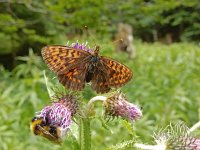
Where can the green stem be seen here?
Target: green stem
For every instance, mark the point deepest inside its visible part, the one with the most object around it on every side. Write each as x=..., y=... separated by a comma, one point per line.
x=84, y=134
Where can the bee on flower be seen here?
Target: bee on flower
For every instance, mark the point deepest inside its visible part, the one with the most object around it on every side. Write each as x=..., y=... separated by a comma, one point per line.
x=53, y=121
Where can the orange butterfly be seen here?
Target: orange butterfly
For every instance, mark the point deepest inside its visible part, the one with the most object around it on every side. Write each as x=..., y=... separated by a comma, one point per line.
x=77, y=64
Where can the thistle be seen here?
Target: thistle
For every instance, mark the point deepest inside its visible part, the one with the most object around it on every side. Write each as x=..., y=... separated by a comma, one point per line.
x=79, y=46
x=118, y=106
x=177, y=137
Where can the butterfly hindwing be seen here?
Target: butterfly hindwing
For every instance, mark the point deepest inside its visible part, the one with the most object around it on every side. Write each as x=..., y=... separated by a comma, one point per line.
x=99, y=81
x=61, y=58
x=117, y=74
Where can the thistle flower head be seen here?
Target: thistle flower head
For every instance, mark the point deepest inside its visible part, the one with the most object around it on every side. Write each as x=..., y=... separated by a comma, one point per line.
x=82, y=46
x=177, y=137
x=53, y=121
x=117, y=105
x=60, y=112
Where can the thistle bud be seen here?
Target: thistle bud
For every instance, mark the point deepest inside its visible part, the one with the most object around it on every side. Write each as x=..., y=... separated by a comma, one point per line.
x=117, y=106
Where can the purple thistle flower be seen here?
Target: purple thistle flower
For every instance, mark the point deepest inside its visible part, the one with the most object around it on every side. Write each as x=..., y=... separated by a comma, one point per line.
x=117, y=105
x=177, y=137
x=79, y=46
x=53, y=121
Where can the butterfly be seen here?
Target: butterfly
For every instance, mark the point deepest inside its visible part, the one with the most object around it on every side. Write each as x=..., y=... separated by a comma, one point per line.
x=77, y=65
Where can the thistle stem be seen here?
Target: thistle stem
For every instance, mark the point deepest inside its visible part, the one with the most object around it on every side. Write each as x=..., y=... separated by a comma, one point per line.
x=84, y=125
x=84, y=134
x=96, y=98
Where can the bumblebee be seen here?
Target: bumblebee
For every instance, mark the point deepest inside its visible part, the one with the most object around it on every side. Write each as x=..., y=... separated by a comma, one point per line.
x=40, y=126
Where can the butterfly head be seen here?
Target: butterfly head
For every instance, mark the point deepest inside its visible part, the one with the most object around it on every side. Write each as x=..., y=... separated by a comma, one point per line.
x=94, y=58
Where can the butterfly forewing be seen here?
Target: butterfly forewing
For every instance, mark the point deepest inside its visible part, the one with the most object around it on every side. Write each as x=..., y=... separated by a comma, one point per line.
x=61, y=58
x=118, y=74
x=74, y=79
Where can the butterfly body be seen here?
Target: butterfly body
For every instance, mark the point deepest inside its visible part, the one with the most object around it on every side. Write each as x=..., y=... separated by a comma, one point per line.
x=74, y=67
x=94, y=61
x=89, y=74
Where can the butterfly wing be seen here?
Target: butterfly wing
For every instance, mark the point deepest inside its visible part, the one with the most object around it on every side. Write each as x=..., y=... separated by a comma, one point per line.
x=60, y=59
x=117, y=74
x=74, y=79
x=99, y=81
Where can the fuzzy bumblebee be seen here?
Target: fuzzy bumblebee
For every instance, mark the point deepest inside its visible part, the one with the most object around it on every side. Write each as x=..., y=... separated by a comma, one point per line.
x=53, y=121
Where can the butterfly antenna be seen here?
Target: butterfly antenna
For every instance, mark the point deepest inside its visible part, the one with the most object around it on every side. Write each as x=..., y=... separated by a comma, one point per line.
x=89, y=36
x=85, y=29
x=114, y=42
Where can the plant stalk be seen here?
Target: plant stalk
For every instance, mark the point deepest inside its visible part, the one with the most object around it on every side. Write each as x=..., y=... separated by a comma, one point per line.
x=84, y=134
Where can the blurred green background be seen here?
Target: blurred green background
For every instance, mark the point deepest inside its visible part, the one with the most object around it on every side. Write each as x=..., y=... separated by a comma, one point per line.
x=166, y=82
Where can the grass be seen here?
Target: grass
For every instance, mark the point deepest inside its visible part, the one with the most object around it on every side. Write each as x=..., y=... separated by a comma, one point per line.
x=166, y=85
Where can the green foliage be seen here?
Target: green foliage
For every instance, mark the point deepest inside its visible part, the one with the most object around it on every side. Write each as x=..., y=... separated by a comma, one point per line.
x=165, y=84
x=25, y=24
